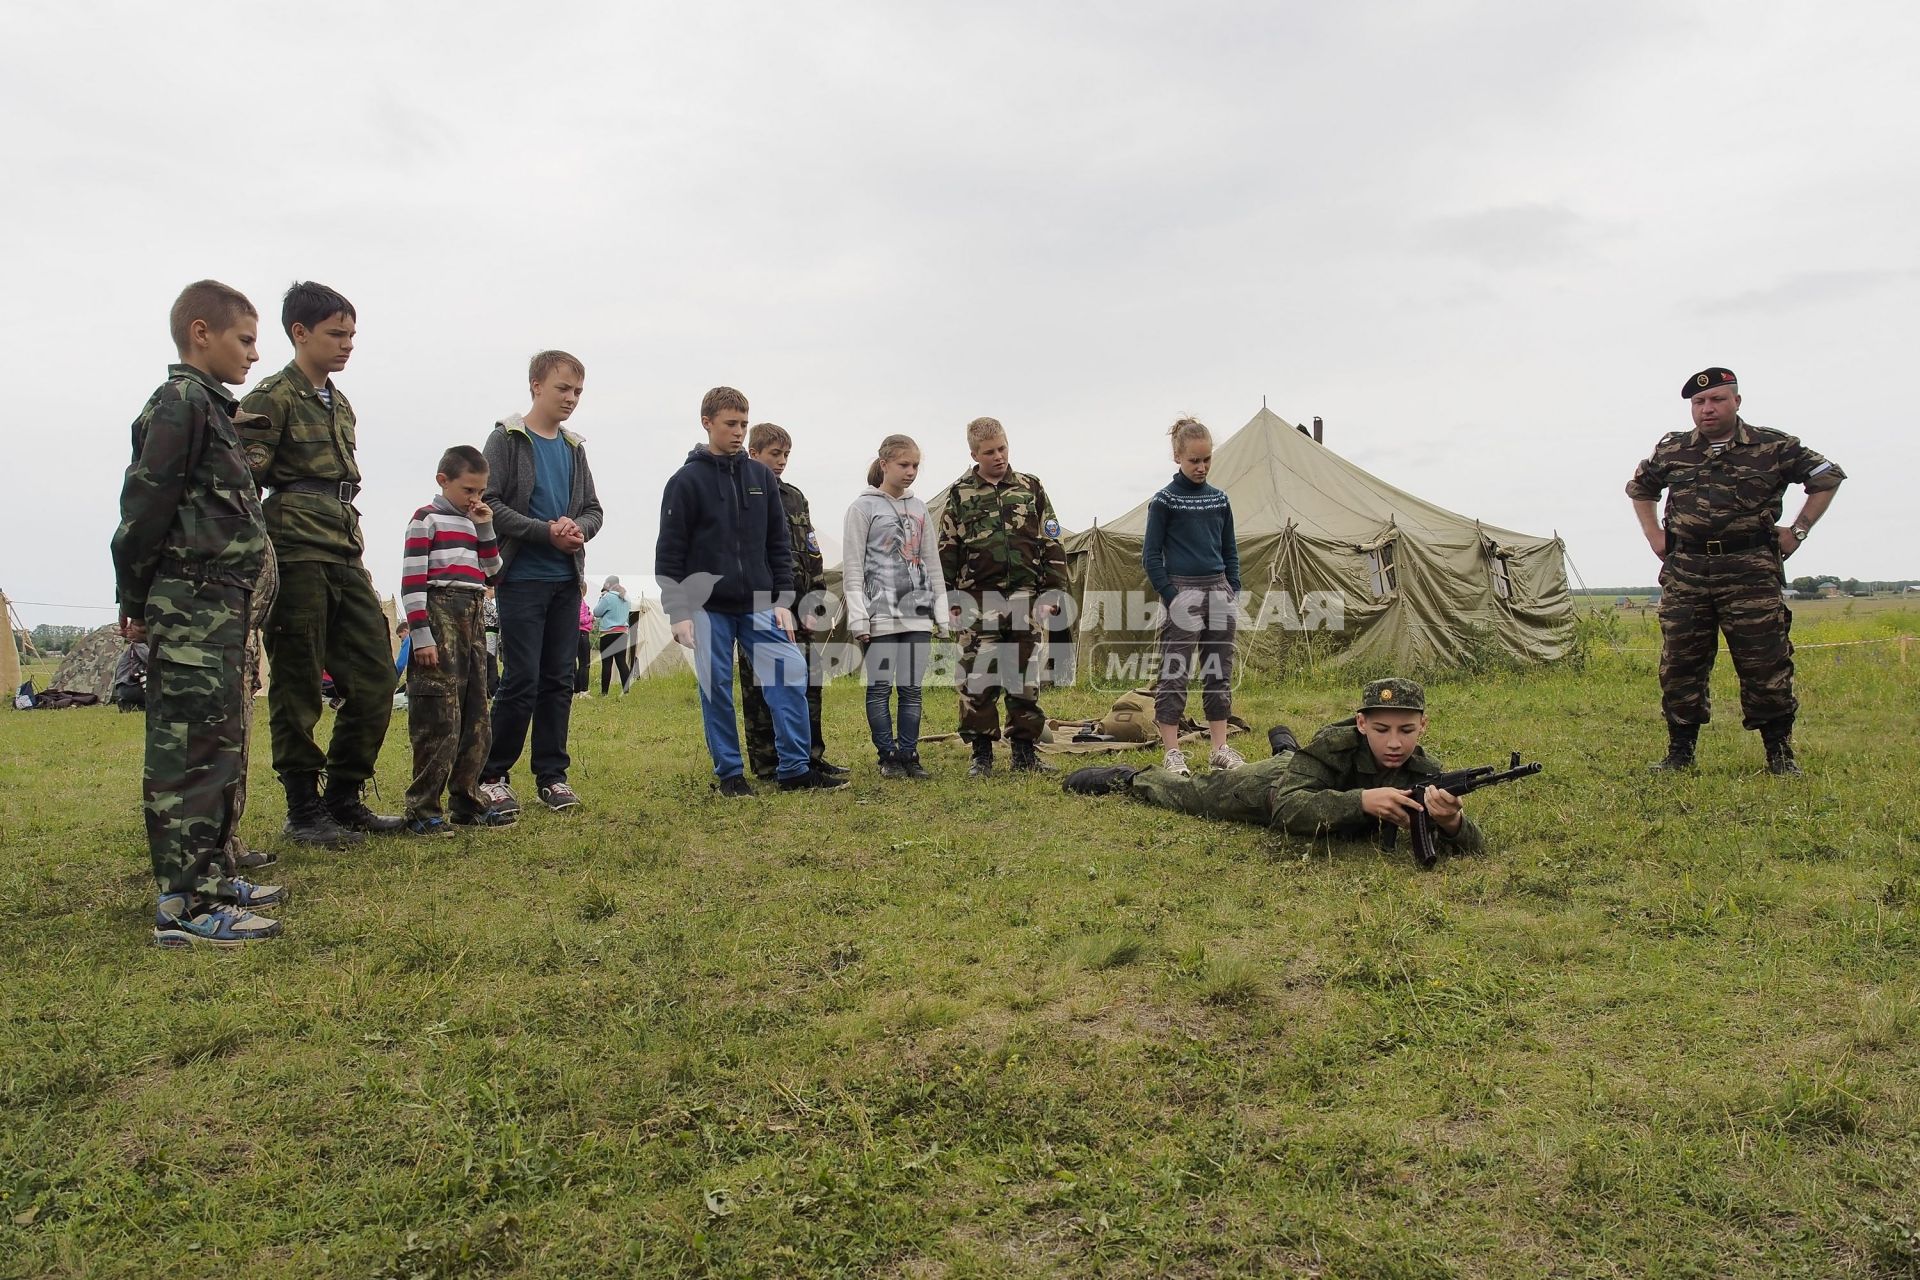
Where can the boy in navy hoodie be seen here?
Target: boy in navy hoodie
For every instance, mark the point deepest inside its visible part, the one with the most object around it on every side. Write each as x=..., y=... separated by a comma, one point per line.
x=726, y=577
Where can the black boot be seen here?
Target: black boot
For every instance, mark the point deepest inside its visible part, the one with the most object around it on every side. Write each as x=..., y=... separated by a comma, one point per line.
x=1680, y=742
x=1281, y=739
x=982, y=763
x=344, y=803
x=308, y=821
x=910, y=761
x=1027, y=760
x=1779, y=739
x=890, y=766
x=1099, y=780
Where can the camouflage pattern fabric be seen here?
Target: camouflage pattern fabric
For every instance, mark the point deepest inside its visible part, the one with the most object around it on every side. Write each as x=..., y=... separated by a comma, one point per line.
x=264, y=590
x=1735, y=492
x=762, y=753
x=327, y=618
x=188, y=506
x=191, y=543
x=298, y=437
x=1310, y=793
x=1705, y=596
x=995, y=658
x=809, y=567
x=1730, y=491
x=1000, y=536
x=448, y=717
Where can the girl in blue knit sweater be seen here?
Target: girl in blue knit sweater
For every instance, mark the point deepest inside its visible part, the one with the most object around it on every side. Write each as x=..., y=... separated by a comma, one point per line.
x=1192, y=560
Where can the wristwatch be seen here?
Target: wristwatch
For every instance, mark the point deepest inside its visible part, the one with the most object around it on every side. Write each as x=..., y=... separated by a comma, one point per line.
x=1799, y=532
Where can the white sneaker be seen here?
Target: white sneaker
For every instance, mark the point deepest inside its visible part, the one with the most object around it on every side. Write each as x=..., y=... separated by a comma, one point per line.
x=1175, y=762
x=1225, y=757
x=499, y=797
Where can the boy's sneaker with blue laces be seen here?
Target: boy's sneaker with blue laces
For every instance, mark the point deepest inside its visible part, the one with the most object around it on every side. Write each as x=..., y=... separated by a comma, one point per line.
x=433, y=826
x=179, y=922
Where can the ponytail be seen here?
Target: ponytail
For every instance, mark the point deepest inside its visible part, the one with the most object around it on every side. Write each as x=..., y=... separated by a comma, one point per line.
x=876, y=471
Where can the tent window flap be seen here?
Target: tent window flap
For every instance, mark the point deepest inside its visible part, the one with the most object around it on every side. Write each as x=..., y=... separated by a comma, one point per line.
x=1381, y=572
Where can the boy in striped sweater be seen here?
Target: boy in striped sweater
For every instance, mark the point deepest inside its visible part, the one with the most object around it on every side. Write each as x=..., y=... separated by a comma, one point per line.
x=451, y=556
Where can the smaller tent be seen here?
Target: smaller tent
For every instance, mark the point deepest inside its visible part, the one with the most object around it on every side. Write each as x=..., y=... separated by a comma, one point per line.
x=89, y=665
x=654, y=650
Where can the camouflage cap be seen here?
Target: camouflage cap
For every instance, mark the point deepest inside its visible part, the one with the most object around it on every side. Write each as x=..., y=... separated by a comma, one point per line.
x=1393, y=694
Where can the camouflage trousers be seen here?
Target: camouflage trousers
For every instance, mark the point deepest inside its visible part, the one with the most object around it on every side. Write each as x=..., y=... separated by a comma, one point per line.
x=196, y=728
x=997, y=657
x=327, y=618
x=264, y=590
x=1229, y=795
x=1704, y=597
x=757, y=716
x=448, y=716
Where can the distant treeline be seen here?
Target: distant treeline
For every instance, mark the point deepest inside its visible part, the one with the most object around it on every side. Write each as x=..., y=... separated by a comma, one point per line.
x=1806, y=586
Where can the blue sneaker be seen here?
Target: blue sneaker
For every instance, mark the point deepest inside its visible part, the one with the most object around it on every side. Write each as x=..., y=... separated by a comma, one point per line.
x=435, y=826
x=248, y=895
x=177, y=922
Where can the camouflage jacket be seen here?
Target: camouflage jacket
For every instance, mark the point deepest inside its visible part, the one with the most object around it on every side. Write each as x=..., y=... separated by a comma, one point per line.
x=302, y=438
x=1319, y=794
x=1735, y=494
x=1000, y=536
x=809, y=567
x=188, y=508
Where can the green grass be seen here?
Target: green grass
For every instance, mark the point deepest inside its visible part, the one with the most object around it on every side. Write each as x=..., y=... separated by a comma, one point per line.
x=1664, y=1028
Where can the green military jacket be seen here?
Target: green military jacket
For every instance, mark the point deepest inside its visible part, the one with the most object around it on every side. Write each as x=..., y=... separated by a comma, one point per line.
x=303, y=438
x=809, y=567
x=188, y=506
x=1000, y=536
x=1734, y=493
x=1319, y=794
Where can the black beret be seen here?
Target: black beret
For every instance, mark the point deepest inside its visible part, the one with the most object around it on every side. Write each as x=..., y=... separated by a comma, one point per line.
x=1714, y=377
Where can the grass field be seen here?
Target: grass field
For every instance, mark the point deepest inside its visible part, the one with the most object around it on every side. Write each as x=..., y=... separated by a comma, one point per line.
x=1663, y=1028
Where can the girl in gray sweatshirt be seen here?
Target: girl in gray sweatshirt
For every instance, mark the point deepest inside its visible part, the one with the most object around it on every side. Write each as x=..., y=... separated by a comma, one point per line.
x=896, y=599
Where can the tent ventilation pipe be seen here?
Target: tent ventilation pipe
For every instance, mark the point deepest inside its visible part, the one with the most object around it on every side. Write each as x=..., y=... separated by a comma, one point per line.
x=1318, y=428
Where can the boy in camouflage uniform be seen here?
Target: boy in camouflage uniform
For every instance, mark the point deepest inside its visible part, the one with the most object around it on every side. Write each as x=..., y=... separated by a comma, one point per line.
x=1000, y=547
x=326, y=617
x=771, y=446
x=187, y=557
x=1354, y=776
x=1721, y=549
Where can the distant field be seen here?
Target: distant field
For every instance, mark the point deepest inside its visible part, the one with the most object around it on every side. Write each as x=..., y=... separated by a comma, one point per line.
x=1665, y=1027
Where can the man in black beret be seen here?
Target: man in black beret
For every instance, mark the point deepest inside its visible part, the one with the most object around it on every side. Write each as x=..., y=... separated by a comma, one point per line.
x=1721, y=545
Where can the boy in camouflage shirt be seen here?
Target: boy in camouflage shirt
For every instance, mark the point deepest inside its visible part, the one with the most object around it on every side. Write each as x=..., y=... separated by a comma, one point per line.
x=326, y=616
x=1000, y=548
x=188, y=556
x=1353, y=777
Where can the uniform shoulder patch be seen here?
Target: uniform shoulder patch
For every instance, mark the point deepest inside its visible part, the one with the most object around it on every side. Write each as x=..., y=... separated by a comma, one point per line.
x=1052, y=527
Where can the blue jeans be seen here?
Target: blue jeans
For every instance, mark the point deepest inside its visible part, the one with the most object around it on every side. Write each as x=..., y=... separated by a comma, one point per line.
x=893, y=662
x=779, y=668
x=539, y=635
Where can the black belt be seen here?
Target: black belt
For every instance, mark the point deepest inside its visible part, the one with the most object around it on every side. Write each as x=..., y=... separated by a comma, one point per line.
x=345, y=490
x=1720, y=546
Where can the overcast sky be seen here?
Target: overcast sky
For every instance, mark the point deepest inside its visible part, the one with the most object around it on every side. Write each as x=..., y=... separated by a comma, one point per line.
x=1486, y=241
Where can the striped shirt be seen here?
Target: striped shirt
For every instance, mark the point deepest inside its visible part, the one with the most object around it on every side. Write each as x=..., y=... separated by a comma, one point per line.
x=444, y=549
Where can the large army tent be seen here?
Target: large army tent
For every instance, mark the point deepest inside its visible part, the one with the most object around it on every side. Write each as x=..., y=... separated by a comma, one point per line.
x=651, y=639
x=1419, y=586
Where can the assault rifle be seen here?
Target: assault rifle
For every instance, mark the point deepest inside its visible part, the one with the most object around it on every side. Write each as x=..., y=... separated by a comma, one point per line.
x=1457, y=783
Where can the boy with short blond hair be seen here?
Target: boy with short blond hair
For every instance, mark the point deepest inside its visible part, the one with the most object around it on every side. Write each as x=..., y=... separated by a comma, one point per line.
x=545, y=507
x=726, y=578
x=771, y=446
x=187, y=557
x=450, y=558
